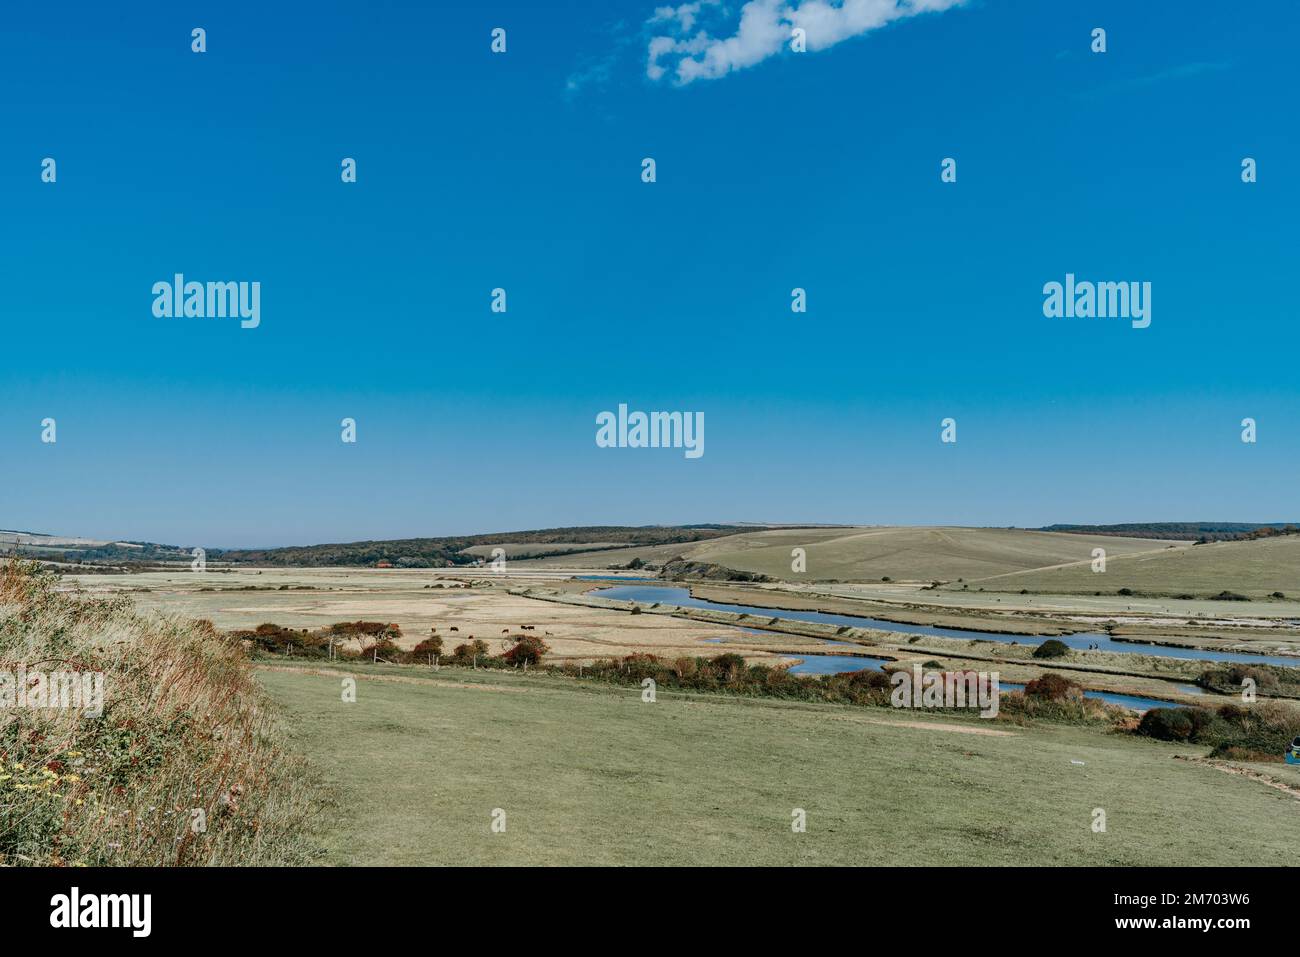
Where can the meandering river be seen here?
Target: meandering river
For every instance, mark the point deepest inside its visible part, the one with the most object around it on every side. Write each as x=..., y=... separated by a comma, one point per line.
x=1082, y=641
x=834, y=664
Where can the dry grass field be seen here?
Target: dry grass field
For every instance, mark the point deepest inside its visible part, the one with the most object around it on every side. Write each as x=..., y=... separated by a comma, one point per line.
x=418, y=601
x=1253, y=568
x=870, y=554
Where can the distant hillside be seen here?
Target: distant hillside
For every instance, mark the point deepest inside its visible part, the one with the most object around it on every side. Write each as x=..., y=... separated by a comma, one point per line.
x=1256, y=569
x=62, y=548
x=1188, y=531
x=897, y=553
x=469, y=549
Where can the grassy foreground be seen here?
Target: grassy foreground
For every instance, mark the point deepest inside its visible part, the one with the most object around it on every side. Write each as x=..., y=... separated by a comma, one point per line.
x=589, y=774
x=176, y=761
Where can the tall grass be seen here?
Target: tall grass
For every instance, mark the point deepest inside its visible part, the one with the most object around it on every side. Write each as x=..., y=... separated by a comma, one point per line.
x=185, y=766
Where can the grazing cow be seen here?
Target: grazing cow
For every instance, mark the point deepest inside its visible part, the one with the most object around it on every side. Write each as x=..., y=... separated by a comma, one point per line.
x=454, y=628
x=505, y=631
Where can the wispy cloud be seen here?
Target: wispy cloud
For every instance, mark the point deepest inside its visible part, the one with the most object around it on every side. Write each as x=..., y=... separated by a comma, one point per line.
x=1183, y=71
x=594, y=73
x=590, y=73
x=689, y=42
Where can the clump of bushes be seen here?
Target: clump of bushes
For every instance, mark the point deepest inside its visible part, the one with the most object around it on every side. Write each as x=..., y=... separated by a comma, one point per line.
x=464, y=654
x=527, y=650
x=729, y=672
x=424, y=651
x=868, y=687
x=275, y=640
x=1052, y=648
x=384, y=648
x=1261, y=732
x=1073, y=708
x=1053, y=687
x=1174, y=724
x=346, y=639
x=344, y=630
x=1269, y=679
x=728, y=665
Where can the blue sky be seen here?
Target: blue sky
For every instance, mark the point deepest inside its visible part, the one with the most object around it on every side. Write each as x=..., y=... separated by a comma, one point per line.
x=522, y=170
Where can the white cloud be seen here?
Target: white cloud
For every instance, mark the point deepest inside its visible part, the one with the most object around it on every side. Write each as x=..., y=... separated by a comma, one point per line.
x=684, y=15
x=763, y=30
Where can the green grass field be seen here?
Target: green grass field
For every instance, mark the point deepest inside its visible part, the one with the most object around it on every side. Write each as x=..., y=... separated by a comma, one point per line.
x=1254, y=568
x=869, y=554
x=589, y=774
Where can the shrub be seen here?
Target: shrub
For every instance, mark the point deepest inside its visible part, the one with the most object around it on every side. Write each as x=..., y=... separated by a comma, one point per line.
x=528, y=649
x=1052, y=648
x=1167, y=724
x=463, y=654
x=1267, y=678
x=727, y=666
x=686, y=667
x=1265, y=729
x=424, y=651
x=1052, y=687
x=870, y=678
x=641, y=665
x=363, y=629
x=1233, y=712
x=430, y=646
x=273, y=639
x=383, y=648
